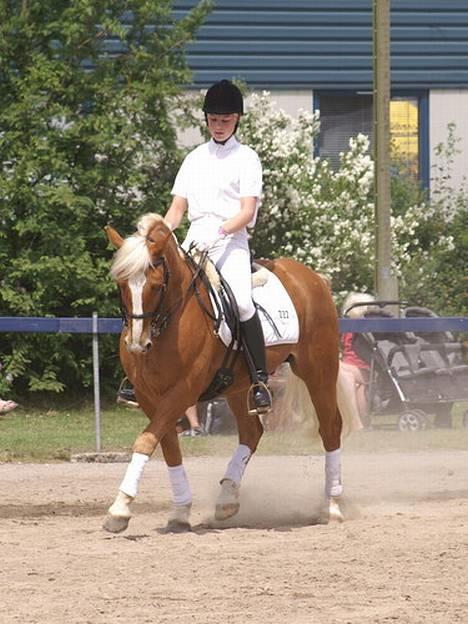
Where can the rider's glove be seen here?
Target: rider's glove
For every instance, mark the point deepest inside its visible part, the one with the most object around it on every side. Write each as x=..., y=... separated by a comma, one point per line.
x=210, y=241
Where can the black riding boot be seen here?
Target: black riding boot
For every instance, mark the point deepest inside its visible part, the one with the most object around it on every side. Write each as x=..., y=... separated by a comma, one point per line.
x=254, y=343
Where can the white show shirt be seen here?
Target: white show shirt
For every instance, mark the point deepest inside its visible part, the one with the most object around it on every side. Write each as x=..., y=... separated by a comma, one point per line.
x=214, y=177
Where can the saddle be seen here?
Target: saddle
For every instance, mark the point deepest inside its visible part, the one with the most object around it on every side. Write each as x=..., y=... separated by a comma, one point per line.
x=225, y=312
x=224, y=309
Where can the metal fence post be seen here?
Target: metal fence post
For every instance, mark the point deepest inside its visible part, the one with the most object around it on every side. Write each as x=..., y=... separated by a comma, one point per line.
x=97, y=394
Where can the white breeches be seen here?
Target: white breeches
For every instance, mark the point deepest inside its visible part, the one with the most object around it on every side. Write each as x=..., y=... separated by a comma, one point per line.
x=232, y=258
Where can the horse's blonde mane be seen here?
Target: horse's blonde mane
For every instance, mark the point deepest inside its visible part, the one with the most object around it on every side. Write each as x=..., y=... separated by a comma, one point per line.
x=133, y=256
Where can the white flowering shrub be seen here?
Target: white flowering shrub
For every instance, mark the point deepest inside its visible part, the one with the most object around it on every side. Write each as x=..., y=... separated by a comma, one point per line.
x=325, y=217
x=433, y=264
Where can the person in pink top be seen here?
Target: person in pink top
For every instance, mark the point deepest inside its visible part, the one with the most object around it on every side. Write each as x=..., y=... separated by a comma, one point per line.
x=354, y=370
x=7, y=406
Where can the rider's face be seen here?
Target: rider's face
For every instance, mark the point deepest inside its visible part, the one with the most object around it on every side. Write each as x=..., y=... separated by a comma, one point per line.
x=221, y=127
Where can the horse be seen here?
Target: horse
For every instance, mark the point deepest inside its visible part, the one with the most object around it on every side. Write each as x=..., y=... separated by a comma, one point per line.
x=170, y=353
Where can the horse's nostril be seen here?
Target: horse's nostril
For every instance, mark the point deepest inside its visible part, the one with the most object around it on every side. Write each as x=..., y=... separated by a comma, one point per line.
x=148, y=345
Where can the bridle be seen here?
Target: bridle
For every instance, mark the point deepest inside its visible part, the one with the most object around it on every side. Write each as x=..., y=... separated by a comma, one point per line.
x=159, y=320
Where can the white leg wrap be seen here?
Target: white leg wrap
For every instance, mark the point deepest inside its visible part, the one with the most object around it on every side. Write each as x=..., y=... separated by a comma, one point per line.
x=236, y=467
x=333, y=486
x=181, y=492
x=132, y=477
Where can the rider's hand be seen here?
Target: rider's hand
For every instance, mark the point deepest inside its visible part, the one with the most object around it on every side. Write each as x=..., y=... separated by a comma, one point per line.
x=210, y=241
x=207, y=243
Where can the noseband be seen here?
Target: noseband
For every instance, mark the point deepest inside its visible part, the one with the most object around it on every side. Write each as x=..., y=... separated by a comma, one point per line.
x=159, y=321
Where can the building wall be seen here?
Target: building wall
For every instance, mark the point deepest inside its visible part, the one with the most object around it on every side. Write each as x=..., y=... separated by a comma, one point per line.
x=293, y=49
x=320, y=44
x=447, y=106
x=293, y=101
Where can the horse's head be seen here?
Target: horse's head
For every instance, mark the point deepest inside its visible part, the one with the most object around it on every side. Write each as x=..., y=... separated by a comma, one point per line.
x=141, y=272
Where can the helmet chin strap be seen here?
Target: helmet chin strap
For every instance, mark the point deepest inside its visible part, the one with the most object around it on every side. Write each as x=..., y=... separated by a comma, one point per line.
x=225, y=140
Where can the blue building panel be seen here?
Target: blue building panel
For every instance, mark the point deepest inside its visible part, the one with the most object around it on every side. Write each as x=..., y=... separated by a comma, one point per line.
x=324, y=45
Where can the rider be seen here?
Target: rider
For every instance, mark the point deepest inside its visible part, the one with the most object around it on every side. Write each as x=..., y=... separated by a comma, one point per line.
x=220, y=184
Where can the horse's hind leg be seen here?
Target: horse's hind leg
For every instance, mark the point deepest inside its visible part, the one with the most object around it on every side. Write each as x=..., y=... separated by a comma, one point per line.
x=250, y=431
x=323, y=397
x=330, y=431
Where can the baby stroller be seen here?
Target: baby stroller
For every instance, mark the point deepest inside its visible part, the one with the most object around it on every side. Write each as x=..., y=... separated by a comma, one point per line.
x=413, y=375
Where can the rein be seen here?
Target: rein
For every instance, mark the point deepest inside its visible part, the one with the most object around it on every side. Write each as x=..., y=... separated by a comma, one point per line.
x=161, y=319
x=159, y=322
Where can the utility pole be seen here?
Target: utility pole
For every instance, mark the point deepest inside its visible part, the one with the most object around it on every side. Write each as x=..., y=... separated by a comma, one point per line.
x=386, y=285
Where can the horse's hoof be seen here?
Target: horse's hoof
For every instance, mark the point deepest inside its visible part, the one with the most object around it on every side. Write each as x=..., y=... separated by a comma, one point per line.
x=227, y=504
x=334, y=511
x=223, y=512
x=115, y=524
x=176, y=526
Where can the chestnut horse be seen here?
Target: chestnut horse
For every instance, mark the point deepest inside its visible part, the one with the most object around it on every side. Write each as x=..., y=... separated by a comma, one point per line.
x=170, y=353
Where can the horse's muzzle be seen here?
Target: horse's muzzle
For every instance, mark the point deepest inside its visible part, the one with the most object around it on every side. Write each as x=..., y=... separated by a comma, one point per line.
x=137, y=349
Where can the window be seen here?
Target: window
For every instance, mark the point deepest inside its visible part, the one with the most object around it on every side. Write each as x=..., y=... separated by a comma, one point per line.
x=404, y=141
x=346, y=115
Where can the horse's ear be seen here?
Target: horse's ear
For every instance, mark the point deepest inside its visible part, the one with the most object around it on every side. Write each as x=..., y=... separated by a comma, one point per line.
x=158, y=239
x=114, y=237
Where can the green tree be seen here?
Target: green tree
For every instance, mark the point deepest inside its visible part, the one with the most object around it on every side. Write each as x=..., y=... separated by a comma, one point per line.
x=85, y=139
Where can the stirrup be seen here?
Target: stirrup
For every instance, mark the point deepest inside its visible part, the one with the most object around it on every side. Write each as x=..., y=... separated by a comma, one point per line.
x=127, y=402
x=126, y=395
x=258, y=410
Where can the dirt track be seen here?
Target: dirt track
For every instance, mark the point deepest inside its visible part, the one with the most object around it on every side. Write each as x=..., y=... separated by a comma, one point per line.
x=401, y=556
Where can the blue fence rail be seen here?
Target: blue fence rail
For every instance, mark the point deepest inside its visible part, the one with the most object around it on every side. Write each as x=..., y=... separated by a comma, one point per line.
x=96, y=326
x=70, y=325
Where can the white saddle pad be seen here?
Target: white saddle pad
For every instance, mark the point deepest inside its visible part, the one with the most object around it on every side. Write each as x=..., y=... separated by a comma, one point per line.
x=272, y=296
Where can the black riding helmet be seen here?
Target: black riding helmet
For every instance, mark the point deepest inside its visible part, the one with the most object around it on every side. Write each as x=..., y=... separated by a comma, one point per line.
x=223, y=98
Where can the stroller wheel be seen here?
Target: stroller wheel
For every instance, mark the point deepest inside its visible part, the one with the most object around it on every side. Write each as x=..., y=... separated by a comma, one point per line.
x=413, y=420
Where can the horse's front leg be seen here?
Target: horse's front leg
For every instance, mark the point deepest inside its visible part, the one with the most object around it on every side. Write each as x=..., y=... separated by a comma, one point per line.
x=119, y=512
x=179, y=517
x=250, y=432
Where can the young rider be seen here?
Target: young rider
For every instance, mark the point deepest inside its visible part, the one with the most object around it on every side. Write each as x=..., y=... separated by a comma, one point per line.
x=219, y=184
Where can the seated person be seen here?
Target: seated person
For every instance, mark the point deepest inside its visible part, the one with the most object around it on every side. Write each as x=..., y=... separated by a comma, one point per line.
x=195, y=429
x=355, y=371
x=7, y=406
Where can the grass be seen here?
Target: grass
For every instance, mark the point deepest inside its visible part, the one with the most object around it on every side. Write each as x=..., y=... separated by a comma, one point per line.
x=34, y=435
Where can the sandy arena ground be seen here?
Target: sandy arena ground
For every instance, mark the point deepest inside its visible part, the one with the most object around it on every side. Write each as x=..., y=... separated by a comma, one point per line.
x=401, y=556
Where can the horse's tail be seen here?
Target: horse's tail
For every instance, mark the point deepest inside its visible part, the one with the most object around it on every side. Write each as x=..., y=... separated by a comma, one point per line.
x=297, y=407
